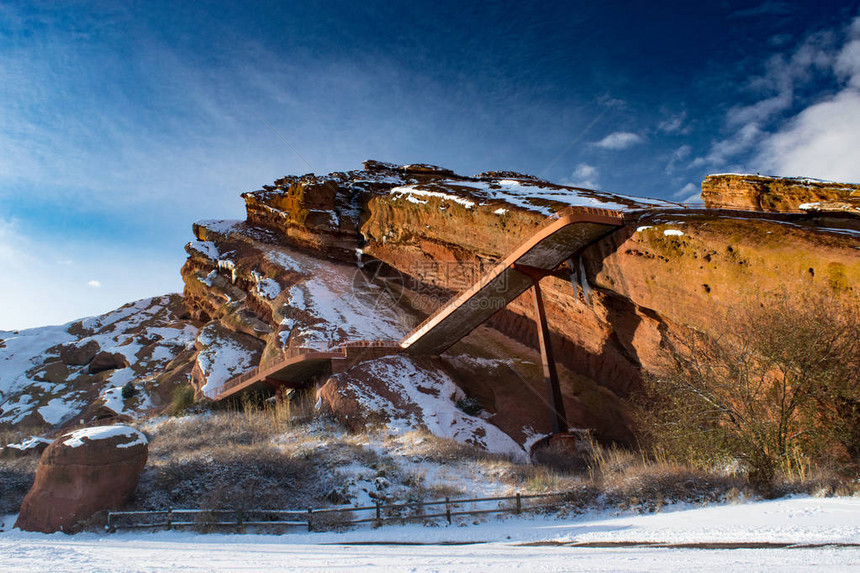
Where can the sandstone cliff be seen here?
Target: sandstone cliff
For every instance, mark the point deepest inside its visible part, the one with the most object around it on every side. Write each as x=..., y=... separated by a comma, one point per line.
x=367, y=254
x=763, y=193
x=289, y=275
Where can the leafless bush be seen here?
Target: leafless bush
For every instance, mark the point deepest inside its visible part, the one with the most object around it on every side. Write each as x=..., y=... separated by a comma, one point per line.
x=779, y=391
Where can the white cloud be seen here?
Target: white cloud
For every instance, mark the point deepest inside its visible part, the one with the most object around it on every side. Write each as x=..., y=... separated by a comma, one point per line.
x=822, y=141
x=94, y=283
x=584, y=175
x=674, y=124
x=687, y=193
x=819, y=140
x=619, y=140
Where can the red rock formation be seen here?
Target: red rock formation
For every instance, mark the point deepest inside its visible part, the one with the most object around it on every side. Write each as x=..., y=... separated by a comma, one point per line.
x=762, y=193
x=668, y=270
x=78, y=355
x=81, y=473
x=107, y=361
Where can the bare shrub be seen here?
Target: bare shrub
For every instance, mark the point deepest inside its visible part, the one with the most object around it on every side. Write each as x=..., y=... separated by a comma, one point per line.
x=442, y=450
x=779, y=391
x=230, y=477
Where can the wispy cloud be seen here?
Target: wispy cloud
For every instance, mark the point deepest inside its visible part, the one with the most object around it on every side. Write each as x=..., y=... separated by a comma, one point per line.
x=679, y=156
x=752, y=127
x=619, y=140
x=769, y=8
x=674, y=124
x=822, y=140
x=688, y=193
x=584, y=175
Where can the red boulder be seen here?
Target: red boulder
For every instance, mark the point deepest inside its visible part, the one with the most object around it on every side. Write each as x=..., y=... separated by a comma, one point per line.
x=81, y=473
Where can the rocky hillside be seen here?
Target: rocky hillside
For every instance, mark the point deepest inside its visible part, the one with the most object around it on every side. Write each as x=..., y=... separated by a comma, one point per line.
x=367, y=254
x=57, y=376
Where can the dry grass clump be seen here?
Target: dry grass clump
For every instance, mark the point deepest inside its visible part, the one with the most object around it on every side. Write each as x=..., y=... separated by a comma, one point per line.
x=647, y=486
x=624, y=479
x=263, y=457
x=224, y=460
x=425, y=446
x=194, y=434
x=822, y=481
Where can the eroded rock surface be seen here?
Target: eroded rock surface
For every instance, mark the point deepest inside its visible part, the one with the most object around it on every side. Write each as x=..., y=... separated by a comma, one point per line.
x=763, y=193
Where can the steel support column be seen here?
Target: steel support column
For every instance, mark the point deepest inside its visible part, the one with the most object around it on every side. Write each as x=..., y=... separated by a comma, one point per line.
x=550, y=374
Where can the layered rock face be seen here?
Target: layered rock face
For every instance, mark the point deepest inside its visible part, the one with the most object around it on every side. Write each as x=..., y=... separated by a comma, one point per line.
x=290, y=275
x=81, y=473
x=762, y=193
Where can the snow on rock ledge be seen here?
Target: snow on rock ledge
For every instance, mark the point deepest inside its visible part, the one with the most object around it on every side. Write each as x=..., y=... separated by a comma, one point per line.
x=78, y=438
x=405, y=393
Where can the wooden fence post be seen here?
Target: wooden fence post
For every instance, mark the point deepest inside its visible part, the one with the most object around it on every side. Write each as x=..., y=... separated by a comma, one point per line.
x=406, y=511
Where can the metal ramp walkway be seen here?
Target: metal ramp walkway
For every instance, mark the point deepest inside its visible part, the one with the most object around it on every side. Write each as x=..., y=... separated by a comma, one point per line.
x=563, y=236
x=554, y=243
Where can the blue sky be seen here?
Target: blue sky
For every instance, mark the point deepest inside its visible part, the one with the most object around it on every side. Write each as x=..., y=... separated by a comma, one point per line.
x=121, y=124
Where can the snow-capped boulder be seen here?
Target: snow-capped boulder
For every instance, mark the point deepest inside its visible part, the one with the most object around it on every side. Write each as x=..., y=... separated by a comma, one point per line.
x=81, y=473
x=405, y=394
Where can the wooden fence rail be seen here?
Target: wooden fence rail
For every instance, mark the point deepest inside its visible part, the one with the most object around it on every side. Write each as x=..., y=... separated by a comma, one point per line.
x=330, y=517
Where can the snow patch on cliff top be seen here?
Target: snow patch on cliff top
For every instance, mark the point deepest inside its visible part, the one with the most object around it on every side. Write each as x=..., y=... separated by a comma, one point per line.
x=532, y=195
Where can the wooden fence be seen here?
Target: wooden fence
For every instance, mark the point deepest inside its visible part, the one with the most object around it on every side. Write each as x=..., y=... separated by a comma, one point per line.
x=332, y=517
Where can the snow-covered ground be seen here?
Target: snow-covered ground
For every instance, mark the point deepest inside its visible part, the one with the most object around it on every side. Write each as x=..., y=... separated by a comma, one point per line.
x=825, y=534
x=34, y=381
x=426, y=399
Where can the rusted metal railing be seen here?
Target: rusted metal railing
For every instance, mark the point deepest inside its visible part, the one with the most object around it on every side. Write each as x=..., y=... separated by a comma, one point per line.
x=290, y=353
